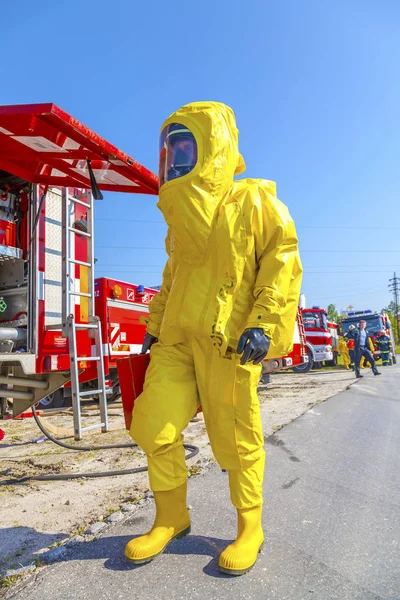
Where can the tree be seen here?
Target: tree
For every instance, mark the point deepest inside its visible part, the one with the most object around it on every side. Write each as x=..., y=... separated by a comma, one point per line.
x=333, y=314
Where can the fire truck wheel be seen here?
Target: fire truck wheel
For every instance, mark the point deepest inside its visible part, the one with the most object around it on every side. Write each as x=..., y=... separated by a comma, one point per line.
x=54, y=400
x=305, y=367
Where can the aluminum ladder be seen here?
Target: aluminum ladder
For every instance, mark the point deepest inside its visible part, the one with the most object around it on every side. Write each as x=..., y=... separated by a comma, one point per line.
x=69, y=325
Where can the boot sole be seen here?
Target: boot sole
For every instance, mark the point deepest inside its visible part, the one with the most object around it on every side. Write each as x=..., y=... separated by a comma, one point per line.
x=236, y=572
x=178, y=536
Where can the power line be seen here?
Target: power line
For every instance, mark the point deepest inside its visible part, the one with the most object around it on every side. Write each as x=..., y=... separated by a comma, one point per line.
x=345, y=251
x=131, y=220
x=349, y=295
x=340, y=272
x=101, y=266
x=131, y=269
x=298, y=226
x=346, y=227
x=344, y=266
x=301, y=251
x=127, y=267
x=131, y=247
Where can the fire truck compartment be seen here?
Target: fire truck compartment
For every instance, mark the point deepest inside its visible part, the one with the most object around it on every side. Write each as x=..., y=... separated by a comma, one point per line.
x=52, y=167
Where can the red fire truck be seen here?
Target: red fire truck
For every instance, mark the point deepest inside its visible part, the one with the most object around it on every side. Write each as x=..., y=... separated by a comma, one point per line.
x=51, y=169
x=123, y=310
x=321, y=339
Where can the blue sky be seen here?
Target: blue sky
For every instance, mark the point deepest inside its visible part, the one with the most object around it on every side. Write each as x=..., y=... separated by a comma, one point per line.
x=315, y=87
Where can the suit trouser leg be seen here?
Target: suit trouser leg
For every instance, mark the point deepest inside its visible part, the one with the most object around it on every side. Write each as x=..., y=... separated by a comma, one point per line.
x=168, y=402
x=228, y=395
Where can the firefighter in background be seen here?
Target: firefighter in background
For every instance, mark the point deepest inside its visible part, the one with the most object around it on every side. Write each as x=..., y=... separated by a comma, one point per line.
x=229, y=296
x=361, y=339
x=344, y=352
x=384, y=344
x=349, y=336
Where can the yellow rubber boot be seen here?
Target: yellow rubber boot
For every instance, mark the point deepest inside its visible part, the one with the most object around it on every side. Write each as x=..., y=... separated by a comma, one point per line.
x=238, y=558
x=172, y=521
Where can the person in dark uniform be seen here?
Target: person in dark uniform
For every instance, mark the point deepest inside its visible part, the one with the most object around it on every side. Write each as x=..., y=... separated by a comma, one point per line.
x=384, y=344
x=349, y=337
x=361, y=347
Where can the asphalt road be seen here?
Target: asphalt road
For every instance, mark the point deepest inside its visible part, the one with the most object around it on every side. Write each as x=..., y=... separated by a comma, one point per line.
x=332, y=519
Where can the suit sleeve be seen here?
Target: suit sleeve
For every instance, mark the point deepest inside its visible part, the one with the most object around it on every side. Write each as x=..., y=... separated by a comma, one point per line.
x=279, y=265
x=159, y=301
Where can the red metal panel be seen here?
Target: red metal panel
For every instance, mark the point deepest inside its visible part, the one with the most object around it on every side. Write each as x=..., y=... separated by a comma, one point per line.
x=131, y=375
x=123, y=328
x=43, y=144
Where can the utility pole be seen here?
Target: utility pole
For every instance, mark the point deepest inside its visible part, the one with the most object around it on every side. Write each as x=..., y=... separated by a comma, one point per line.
x=394, y=286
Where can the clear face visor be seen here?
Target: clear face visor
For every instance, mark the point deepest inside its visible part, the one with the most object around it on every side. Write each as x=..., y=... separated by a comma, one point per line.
x=178, y=152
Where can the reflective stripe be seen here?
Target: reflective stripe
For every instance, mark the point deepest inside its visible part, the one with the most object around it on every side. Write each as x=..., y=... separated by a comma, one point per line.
x=128, y=305
x=133, y=349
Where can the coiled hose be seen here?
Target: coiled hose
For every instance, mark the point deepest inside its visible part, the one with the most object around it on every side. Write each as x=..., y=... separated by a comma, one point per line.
x=193, y=451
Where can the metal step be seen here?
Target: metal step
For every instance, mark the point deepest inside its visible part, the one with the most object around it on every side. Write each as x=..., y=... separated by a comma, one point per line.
x=80, y=262
x=90, y=393
x=83, y=294
x=79, y=232
x=91, y=427
x=78, y=201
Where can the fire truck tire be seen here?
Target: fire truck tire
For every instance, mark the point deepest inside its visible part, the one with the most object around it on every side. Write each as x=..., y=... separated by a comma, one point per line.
x=55, y=400
x=305, y=367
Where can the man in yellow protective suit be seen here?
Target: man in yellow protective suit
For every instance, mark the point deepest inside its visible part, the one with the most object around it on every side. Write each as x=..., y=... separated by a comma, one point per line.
x=229, y=296
x=344, y=352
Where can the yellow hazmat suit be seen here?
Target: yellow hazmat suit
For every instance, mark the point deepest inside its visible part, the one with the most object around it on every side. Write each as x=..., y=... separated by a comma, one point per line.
x=233, y=264
x=344, y=352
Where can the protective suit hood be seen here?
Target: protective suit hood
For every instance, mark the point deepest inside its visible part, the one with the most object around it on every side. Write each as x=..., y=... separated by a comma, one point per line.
x=189, y=203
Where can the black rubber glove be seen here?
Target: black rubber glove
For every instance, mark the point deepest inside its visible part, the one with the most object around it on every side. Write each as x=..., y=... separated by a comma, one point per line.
x=149, y=340
x=253, y=345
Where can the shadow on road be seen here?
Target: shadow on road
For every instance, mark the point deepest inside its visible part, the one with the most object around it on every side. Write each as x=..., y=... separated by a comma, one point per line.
x=19, y=545
x=111, y=549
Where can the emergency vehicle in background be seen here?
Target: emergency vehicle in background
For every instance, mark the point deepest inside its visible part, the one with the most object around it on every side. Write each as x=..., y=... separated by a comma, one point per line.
x=51, y=169
x=321, y=339
x=376, y=322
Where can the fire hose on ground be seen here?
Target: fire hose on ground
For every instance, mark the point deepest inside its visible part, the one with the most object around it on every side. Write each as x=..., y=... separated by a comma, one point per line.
x=192, y=451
